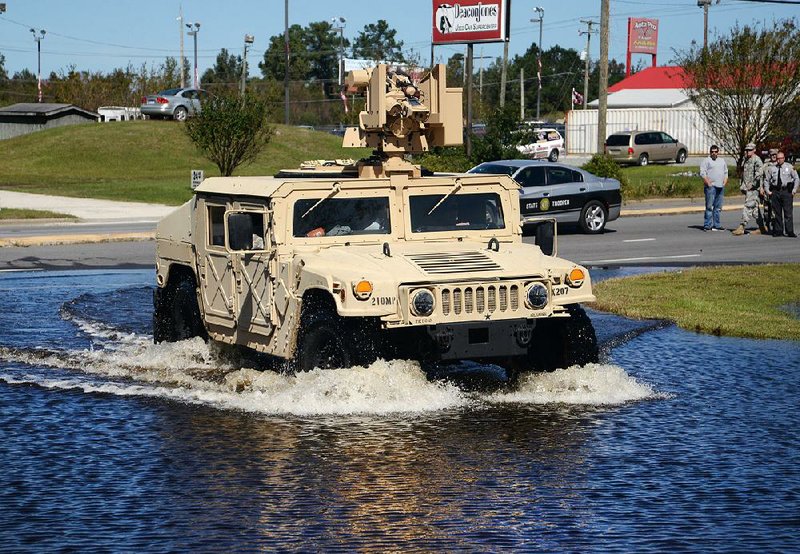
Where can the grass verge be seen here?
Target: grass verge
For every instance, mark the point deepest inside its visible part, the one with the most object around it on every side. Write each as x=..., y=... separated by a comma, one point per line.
x=15, y=213
x=739, y=301
x=140, y=161
x=670, y=181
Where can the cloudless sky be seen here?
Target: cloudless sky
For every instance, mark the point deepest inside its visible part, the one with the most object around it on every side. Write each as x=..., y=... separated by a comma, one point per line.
x=100, y=35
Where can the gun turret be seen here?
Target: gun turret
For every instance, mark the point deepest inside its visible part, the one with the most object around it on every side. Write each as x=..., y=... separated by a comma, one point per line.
x=403, y=118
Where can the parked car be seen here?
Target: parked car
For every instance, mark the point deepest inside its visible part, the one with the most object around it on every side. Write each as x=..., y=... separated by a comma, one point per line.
x=569, y=194
x=543, y=143
x=175, y=103
x=643, y=147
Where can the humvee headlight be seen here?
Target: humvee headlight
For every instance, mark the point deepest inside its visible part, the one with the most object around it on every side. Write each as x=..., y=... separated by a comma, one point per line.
x=422, y=303
x=537, y=296
x=362, y=290
x=575, y=277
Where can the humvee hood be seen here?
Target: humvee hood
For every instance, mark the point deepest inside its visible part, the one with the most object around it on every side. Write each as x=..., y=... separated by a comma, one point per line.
x=409, y=263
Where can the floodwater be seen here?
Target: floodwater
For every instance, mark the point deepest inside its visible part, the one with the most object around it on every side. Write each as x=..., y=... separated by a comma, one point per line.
x=676, y=442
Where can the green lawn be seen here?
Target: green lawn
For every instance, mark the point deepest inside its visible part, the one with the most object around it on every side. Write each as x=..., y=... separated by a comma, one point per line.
x=670, y=181
x=144, y=161
x=721, y=300
x=14, y=213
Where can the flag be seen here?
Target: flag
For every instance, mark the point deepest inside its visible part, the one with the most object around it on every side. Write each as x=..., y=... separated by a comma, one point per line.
x=539, y=73
x=577, y=98
x=343, y=96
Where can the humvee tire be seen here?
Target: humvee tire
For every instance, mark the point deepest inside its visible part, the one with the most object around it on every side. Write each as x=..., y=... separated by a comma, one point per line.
x=176, y=314
x=558, y=343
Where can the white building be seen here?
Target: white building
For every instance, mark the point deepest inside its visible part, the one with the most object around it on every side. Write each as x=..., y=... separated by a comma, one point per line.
x=652, y=99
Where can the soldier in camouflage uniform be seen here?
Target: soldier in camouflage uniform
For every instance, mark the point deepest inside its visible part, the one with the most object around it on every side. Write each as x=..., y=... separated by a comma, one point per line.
x=766, y=205
x=752, y=178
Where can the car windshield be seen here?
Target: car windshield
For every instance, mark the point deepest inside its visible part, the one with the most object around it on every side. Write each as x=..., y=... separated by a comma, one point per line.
x=459, y=212
x=618, y=140
x=318, y=217
x=169, y=92
x=494, y=169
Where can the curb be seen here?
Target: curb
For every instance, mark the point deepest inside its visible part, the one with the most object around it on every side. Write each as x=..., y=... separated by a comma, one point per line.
x=55, y=240
x=682, y=210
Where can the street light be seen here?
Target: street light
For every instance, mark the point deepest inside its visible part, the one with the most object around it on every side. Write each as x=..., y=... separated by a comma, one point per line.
x=337, y=24
x=540, y=20
x=248, y=40
x=38, y=36
x=194, y=28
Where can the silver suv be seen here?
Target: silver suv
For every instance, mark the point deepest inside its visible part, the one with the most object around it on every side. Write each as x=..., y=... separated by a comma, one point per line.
x=643, y=147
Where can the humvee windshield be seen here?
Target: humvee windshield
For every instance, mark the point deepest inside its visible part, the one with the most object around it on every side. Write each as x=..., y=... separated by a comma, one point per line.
x=341, y=216
x=459, y=212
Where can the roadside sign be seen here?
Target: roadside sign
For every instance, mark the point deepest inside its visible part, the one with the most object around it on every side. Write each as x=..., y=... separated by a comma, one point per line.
x=197, y=178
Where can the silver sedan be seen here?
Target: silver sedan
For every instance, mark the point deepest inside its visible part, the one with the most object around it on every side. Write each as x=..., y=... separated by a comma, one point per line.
x=175, y=103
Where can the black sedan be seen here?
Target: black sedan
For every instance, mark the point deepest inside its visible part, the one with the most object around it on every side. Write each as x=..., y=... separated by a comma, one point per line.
x=568, y=194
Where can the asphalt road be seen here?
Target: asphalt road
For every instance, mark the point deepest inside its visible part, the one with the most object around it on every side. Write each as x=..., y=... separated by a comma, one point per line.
x=661, y=240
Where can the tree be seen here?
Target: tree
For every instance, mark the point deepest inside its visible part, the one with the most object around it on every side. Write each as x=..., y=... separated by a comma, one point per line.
x=323, y=44
x=377, y=42
x=498, y=142
x=3, y=72
x=227, y=69
x=745, y=84
x=230, y=131
x=274, y=64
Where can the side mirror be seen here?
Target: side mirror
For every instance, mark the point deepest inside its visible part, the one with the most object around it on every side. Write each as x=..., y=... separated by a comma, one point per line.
x=240, y=231
x=544, y=232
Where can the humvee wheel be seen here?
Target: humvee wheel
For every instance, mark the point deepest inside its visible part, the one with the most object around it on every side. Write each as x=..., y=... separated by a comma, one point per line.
x=323, y=343
x=558, y=343
x=177, y=315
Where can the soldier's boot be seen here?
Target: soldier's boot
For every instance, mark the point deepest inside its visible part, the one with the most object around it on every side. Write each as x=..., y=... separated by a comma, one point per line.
x=760, y=231
x=739, y=231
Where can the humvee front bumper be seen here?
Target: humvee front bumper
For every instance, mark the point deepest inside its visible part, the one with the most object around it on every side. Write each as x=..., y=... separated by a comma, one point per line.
x=488, y=339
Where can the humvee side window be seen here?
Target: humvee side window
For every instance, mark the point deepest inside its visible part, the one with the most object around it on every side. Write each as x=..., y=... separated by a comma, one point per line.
x=246, y=231
x=216, y=225
x=459, y=212
x=341, y=216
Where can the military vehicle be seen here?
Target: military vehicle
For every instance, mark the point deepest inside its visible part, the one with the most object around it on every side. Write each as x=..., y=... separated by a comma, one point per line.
x=333, y=265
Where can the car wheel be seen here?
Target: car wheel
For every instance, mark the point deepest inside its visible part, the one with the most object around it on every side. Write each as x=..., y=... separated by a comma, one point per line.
x=553, y=157
x=593, y=217
x=643, y=160
x=323, y=345
x=681, y=156
x=180, y=114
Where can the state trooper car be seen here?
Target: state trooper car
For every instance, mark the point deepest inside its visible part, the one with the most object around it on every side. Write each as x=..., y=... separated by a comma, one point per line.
x=333, y=265
x=568, y=194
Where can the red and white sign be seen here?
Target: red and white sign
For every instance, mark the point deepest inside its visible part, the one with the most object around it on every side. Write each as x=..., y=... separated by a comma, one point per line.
x=642, y=35
x=464, y=21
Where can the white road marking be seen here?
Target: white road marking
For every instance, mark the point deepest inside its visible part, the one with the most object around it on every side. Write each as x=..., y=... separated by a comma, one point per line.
x=638, y=240
x=645, y=258
x=21, y=269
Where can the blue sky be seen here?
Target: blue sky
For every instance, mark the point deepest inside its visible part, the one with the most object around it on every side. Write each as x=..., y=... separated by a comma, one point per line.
x=104, y=34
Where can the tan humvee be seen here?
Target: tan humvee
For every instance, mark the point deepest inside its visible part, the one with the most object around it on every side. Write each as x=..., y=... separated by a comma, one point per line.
x=373, y=260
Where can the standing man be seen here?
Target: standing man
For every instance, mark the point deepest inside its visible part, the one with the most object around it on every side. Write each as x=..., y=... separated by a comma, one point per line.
x=714, y=172
x=751, y=188
x=766, y=207
x=782, y=184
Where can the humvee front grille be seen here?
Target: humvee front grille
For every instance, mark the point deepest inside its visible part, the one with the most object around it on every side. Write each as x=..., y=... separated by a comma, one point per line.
x=480, y=299
x=454, y=262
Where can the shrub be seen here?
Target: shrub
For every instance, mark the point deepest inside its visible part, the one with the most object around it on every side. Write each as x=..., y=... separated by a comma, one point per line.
x=449, y=159
x=603, y=166
x=230, y=130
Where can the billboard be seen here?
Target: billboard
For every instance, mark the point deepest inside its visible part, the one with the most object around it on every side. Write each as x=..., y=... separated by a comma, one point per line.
x=642, y=35
x=465, y=21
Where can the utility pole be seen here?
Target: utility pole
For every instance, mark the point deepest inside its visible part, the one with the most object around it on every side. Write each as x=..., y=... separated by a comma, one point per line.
x=588, y=32
x=286, y=69
x=337, y=24
x=194, y=28
x=180, y=32
x=468, y=77
x=248, y=40
x=503, y=75
x=603, y=96
x=540, y=19
x=38, y=38
x=521, y=94
x=705, y=4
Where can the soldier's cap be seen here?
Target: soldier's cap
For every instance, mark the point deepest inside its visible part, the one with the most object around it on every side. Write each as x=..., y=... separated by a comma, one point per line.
x=750, y=146
x=773, y=151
